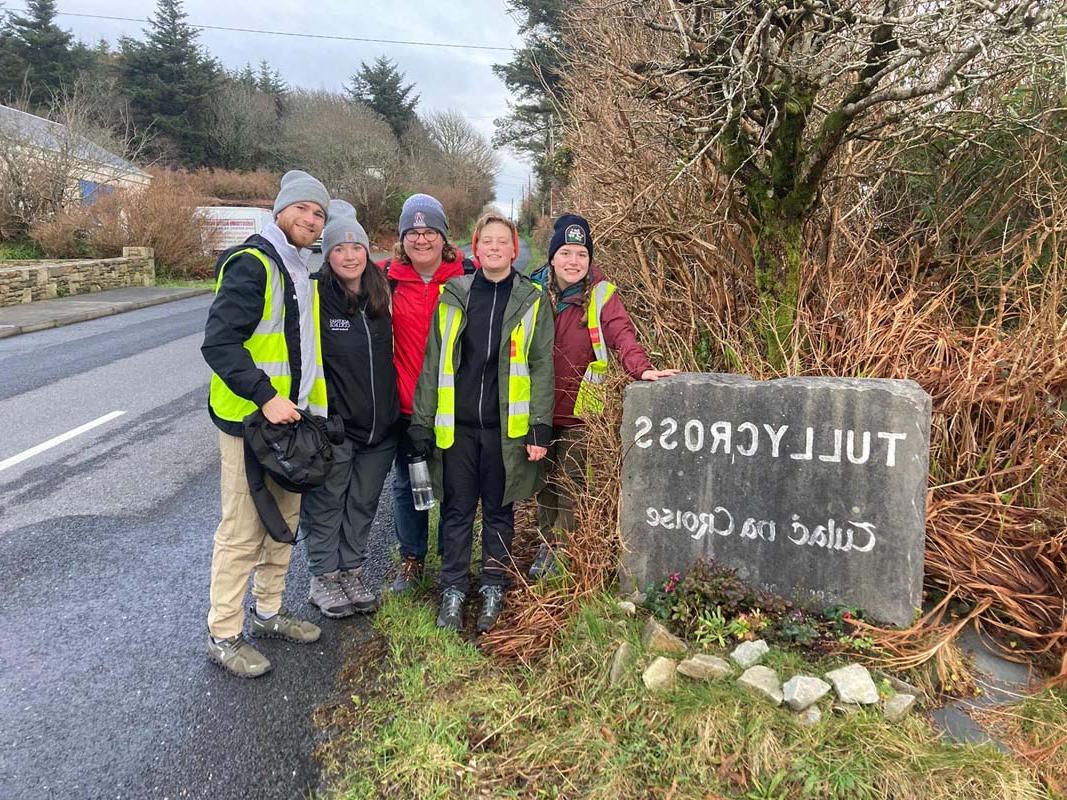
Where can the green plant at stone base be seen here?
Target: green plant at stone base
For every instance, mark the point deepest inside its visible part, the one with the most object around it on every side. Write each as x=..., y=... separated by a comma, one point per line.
x=711, y=627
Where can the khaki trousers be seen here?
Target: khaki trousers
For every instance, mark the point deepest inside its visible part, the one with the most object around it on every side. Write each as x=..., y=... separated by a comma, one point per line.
x=565, y=471
x=243, y=547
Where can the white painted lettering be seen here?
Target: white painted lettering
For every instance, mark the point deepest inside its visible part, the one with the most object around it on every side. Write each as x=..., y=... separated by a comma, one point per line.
x=644, y=426
x=776, y=437
x=867, y=528
x=751, y=449
x=835, y=458
x=891, y=450
x=851, y=441
x=721, y=432
x=694, y=435
x=809, y=441
x=668, y=427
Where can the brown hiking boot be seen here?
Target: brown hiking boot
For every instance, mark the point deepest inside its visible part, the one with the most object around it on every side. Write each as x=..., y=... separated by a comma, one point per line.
x=411, y=572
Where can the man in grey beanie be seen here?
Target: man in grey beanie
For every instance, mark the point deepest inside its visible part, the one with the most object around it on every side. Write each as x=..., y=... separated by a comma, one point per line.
x=263, y=348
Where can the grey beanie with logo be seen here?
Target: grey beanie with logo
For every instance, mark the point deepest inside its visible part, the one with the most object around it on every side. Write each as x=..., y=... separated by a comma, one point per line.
x=342, y=227
x=423, y=211
x=299, y=187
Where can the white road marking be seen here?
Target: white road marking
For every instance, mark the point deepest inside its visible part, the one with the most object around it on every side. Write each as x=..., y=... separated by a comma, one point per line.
x=57, y=440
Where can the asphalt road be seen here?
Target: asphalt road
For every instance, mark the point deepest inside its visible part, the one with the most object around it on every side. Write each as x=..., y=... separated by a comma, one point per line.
x=105, y=544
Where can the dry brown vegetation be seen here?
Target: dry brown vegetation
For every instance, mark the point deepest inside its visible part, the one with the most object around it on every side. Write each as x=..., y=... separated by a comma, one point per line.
x=227, y=186
x=940, y=262
x=161, y=215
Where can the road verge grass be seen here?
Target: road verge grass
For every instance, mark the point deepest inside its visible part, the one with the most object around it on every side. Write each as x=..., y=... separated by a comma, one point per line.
x=445, y=721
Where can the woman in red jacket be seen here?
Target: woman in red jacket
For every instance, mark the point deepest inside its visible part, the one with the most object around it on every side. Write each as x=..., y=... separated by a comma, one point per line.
x=590, y=321
x=423, y=260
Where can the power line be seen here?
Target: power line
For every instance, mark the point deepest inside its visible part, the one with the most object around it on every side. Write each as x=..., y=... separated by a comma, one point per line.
x=293, y=33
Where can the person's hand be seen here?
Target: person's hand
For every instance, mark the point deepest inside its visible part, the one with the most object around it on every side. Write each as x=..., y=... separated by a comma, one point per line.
x=280, y=410
x=656, y=374
x=535, y=452
x=422, y=441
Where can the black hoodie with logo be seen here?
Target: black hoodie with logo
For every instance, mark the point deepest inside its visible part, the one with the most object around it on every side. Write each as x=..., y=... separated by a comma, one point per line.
x=357, y=352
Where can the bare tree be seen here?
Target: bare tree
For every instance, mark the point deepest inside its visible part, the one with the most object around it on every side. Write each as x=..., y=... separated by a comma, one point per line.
x=86, y=137
x=243, y=126
x=771, y=93
x=466, y=156
x=348, y=147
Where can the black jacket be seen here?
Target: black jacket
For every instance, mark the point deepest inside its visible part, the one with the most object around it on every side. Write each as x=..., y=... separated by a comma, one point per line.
x=233, y=317
x=477, y=390
x=358, y=359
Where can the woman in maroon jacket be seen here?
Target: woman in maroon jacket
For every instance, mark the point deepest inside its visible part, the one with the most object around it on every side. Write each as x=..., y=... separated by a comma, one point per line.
x=590, y=321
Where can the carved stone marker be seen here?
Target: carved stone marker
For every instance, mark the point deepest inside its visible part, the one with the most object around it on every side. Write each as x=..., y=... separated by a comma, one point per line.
x=813, y=488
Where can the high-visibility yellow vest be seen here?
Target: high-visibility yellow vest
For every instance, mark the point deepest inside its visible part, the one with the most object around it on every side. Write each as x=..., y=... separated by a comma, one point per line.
x=590, y=399
x=449, y=322
x=268, y=348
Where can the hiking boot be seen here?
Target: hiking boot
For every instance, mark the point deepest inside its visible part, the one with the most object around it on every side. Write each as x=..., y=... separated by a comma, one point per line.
x=362, y=599
x=328, y=596
x=410, y=575
x=492, y=602
x=544, y=563
x=238, y=657
x=284, y=625
x=451, y=613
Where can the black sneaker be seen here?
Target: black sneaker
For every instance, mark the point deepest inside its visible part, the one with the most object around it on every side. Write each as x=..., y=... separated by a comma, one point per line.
x=492, y=602
x=451, y=613
x=411, y=571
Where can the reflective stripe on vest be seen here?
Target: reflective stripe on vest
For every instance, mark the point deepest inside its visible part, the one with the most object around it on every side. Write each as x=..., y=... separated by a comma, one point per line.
x=449, y=320
x=444, y=423
x=268, y=348
x=519, y=373
x=590, y=399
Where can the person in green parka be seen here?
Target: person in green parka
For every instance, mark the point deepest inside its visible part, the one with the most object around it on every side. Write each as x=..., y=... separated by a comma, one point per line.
x=483, y=412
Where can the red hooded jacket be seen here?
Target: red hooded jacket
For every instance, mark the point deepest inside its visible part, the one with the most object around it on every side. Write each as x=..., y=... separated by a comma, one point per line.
x=573, y=351
x=413, y=303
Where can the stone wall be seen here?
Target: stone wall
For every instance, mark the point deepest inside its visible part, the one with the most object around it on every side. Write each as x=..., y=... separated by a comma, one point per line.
x=27, y=281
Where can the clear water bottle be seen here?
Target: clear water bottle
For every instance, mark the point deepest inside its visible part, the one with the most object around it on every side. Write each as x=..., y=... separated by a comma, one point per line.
x=421, y=489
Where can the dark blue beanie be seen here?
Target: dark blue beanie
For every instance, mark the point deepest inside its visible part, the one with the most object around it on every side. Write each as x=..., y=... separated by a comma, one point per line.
x=570, y=229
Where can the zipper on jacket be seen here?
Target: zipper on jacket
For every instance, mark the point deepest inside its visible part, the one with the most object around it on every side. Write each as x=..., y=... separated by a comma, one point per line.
x=488, y=353
x=373, y=396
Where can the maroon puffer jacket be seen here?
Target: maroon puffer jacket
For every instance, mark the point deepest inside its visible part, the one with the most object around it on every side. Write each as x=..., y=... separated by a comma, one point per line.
x=573, y=351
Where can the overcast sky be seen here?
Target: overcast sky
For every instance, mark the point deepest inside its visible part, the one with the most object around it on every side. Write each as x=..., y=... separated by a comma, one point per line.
x=445, y=78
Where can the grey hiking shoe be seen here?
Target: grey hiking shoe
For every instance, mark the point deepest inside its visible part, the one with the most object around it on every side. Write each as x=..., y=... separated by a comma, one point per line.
x=284, y=625
x=328, y=596
x=544, y=563
x=492, y=602
x=237, y=656
x=361, y=598
x=451, y=613
x=411, y=571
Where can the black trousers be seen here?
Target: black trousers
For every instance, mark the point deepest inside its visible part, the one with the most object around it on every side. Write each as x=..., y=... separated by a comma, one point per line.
x=473, y=470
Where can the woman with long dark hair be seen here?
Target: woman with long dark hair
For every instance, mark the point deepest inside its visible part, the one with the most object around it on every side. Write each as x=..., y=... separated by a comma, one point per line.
x=357, y=344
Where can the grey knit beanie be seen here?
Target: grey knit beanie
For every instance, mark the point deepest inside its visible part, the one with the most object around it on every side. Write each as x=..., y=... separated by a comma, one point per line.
x=299, y=187
x=342, y=228
x=423, y=211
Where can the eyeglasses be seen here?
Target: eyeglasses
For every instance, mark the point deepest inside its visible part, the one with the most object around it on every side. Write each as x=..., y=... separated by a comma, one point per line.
x=430, y=235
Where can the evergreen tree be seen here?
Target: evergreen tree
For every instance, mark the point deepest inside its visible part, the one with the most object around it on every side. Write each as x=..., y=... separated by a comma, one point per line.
x=37, y=57
x=246, y=76
x=269, y=80
x=532, y=127
x=171, y=83
x=381, y=86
